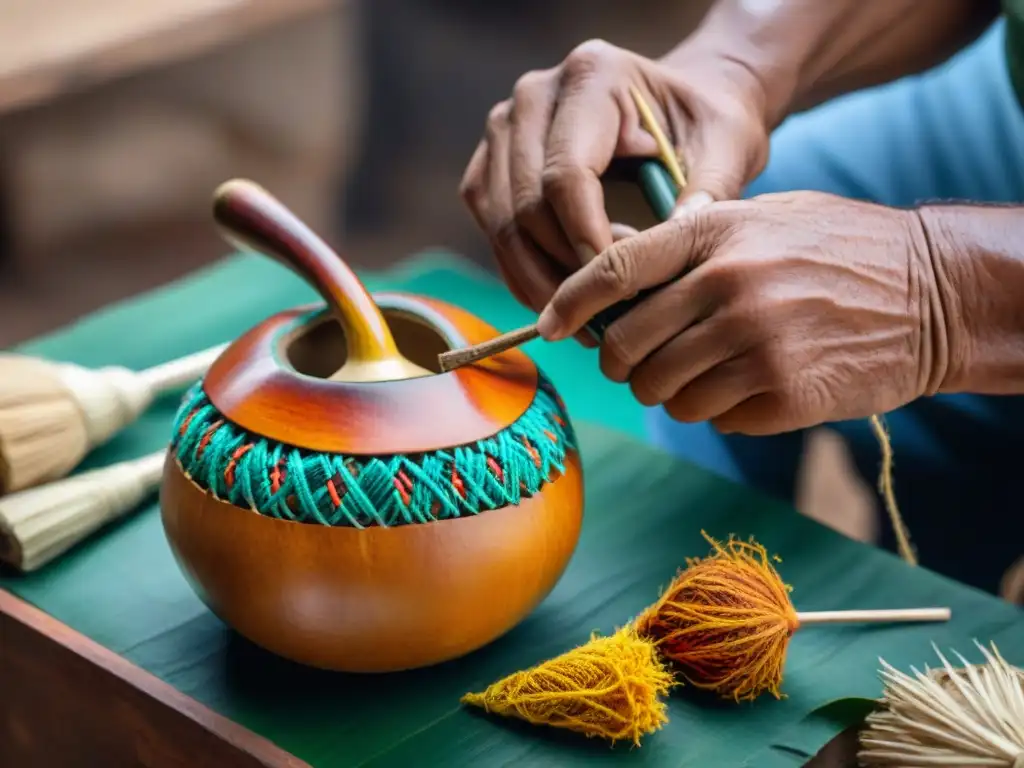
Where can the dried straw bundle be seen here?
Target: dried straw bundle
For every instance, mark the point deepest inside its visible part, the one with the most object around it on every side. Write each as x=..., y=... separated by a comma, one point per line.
x=41, y=523
x=53, y=414
x=965, y=717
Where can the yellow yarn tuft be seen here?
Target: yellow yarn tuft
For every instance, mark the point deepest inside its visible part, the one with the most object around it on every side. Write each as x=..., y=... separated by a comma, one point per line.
x=610, y=687
x=725, y=621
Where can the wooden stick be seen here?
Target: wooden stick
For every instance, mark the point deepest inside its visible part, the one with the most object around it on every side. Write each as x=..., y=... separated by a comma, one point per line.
x=894, y=616
x=178, y=373
x=665, y=149
x=457, y=358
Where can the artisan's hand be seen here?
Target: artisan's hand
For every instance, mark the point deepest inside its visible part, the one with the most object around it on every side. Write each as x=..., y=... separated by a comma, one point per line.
x=533, y=184
x=795, y=309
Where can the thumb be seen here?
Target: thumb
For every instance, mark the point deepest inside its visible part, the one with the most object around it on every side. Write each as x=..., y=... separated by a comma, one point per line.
x=645, y=260
x=720, y=173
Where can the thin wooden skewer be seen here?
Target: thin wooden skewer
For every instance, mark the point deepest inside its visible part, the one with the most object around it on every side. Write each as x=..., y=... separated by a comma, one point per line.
x=456, y=358
x=894, y=616
x=668, y=154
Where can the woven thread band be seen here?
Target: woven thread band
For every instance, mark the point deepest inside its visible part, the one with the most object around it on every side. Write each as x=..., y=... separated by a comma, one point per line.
x=289, y=483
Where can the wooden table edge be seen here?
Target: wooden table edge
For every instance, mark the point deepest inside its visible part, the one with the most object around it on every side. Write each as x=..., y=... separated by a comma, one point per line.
x=44, y=645
x=163, y=720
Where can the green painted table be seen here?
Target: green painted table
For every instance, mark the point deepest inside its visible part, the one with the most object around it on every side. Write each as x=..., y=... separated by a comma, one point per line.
x=118, y=604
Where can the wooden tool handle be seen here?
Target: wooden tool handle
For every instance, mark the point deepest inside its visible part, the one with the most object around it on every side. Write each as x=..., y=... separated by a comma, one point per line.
x=181, y=372
x=252, y=218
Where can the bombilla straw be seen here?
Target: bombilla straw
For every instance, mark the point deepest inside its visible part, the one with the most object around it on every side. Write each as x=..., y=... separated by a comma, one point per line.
x=253, y=219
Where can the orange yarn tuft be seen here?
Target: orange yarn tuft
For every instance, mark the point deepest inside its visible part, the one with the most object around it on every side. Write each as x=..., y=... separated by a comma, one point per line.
x=610, y=687
x=725, y=622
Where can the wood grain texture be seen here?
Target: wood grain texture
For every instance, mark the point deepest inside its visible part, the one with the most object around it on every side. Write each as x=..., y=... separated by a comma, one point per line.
x=96, y=40
x=377, y=599
x=254, y=386
x=67, y=702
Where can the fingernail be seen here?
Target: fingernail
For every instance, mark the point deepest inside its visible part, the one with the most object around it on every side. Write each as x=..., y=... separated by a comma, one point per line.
x=622, y=231
x=549, y=325
x=692, y=203
x=585, y=253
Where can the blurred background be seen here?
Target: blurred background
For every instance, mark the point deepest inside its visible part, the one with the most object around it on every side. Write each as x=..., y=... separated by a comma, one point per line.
x=118, y=118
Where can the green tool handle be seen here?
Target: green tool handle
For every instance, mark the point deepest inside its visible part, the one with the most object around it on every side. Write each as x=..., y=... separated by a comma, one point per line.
x=660, y=192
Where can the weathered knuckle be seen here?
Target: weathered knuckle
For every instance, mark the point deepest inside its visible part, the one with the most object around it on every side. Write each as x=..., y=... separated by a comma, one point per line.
x=618, y=346
x=506, y=234
x=769, y=365
x=586, y=59
x=527, y=205
x=526, y=87
x=526, y=211
x=683, y=409
x=561, y=174
x=497, y=119
x=734, y=328
x=718, y=279
x=616, y=268
x=730, y=280
x=612, y=368
x=650, y=389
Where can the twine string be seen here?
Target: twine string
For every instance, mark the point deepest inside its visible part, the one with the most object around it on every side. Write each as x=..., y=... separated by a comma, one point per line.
x=288, y=483
x=887, y=490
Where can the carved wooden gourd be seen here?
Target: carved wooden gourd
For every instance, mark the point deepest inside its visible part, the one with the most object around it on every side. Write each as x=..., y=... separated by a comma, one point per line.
x=339, y=502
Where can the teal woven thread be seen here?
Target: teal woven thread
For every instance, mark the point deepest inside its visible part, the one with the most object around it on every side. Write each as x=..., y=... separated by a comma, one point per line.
x=290, y=483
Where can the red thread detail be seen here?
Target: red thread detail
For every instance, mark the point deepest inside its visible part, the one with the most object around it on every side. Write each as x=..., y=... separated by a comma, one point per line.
x=186, y=422
x=205, y=440
x=229, y=471
x=551, y=436
x=495, y=467
x=277, y=478
x=333, y=492
x=532, y=451
x=404, y=485
x=457, y=484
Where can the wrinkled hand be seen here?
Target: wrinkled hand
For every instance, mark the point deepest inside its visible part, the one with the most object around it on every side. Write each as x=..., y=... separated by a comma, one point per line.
x=533, y=184
x=794, y=310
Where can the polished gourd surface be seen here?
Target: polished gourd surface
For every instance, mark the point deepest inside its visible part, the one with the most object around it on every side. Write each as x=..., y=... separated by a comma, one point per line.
x=336, y=500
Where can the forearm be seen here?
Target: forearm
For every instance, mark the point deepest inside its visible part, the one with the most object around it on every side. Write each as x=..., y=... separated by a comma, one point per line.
x=807, y=51
x=973, y=303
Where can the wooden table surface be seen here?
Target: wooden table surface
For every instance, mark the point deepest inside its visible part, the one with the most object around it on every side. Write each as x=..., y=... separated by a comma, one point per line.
x=77, y=701
x=48, y=47
x=74, y=700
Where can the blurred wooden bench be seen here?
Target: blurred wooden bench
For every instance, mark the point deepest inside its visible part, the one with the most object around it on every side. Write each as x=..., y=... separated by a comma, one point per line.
x=118, y=118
